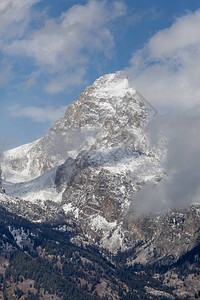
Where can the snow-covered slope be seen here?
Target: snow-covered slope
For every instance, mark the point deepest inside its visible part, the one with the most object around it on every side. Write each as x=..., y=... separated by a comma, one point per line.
x=16, y=162
x=40, y=189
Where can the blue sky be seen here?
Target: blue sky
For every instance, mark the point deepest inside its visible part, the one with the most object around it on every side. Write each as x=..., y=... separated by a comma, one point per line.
x=50, y=50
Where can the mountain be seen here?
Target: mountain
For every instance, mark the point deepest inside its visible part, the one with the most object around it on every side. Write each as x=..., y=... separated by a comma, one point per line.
x=81, y=180
x=108, y=114
x=105, y=158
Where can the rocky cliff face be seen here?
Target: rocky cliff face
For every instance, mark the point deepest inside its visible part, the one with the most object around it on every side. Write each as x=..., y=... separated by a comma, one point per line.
x=87, y=170
x=165, y=237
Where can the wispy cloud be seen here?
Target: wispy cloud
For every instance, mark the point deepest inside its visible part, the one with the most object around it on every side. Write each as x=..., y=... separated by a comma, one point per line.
x=14, y=17
x=67, y=46
x=38, y=114
x=167, y=70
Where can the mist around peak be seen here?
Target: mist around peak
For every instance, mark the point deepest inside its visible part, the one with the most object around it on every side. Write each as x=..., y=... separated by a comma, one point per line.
x=181, y=186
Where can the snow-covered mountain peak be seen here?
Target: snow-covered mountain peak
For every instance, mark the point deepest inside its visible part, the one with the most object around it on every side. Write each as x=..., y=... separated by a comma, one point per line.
x=108, y=114
x=113, y=85
x=105, y=98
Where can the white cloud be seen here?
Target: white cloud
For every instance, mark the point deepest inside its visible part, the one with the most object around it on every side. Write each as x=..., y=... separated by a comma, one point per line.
x=14, y=17
x=181, y=186
x=182, y=34
x=73, y=40
x=38, y=114
x=167, y=70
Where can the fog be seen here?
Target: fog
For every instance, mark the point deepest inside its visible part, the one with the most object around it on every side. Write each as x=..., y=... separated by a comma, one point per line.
x=181, y=186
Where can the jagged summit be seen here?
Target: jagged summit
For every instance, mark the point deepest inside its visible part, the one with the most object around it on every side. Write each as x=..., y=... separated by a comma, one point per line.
x=108, y=114
x=113, y=85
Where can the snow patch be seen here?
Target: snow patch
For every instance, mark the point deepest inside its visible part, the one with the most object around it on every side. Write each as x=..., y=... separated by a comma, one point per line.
x=42, y=188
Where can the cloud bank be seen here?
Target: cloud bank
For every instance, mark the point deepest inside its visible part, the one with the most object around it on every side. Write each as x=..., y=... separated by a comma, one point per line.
x=181, y=187
x=167, y=70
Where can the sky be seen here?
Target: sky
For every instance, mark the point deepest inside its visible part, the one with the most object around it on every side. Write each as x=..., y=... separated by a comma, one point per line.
x=50, y=50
